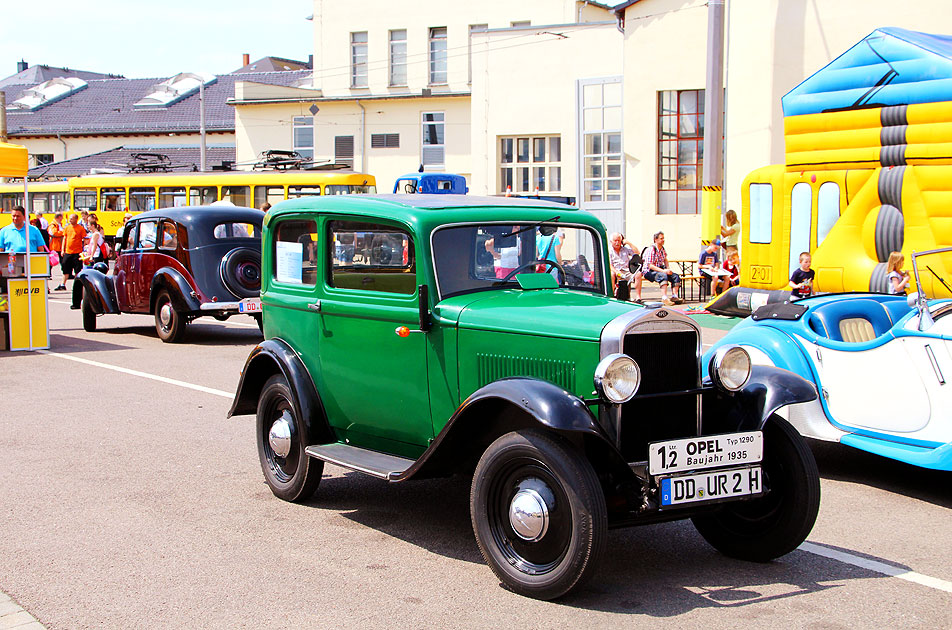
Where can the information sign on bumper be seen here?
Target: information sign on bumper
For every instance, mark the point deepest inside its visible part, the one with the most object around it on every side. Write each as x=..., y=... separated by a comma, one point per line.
x=709, y=451
x=249, y=305
x=711, y=486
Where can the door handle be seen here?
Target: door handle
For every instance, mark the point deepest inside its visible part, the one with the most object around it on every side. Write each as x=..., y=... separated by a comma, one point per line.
x=316, y=306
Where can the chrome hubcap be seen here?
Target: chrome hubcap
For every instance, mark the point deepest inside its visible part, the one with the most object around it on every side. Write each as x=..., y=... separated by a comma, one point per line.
x=529, y=515
x=165, y=315
x=279, y=437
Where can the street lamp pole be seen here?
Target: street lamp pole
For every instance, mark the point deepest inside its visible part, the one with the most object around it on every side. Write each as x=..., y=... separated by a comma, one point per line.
x=201, y=104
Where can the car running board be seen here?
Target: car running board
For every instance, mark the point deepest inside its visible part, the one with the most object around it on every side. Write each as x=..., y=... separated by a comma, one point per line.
x=376, y=464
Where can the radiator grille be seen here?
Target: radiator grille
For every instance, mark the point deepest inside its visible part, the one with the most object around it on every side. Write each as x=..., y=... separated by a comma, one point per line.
x=668, y=363
x=492, y=367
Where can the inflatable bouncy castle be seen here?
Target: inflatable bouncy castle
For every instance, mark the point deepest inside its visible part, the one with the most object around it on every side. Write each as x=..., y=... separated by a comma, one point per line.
x=868, y=169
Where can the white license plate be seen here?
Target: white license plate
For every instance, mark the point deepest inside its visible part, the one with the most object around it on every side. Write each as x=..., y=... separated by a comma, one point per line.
x=249, y=306
x=711, y=486
x=709, y=451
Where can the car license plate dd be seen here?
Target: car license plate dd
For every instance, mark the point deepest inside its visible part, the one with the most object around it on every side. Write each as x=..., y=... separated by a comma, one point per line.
x=711, y=486
x=249, y=306
x=709, y=451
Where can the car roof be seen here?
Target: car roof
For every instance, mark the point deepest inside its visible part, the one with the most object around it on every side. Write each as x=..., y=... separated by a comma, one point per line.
x=204, y=214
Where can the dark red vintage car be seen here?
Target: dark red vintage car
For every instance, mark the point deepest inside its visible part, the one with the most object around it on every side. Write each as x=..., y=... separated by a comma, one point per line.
x=179, y=264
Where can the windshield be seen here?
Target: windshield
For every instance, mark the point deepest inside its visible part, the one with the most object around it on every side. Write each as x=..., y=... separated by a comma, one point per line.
x=476, y=257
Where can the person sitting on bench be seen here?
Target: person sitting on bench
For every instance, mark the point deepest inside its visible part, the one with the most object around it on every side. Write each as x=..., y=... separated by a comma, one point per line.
x=656, y=269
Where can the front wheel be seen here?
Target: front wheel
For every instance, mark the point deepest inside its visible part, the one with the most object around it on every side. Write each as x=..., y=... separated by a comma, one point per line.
x=539, y=514
x=775, y=524
x=89, y=316
x=281, y=437
x=169, y=323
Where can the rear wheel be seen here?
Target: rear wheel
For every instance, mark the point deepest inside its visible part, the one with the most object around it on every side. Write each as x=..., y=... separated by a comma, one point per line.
x=539, y=514
x=89, y=316
x=288, y=471
x=169, y=323
x=775, y=524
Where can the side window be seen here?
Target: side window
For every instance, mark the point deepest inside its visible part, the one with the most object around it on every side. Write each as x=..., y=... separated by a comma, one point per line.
x=761, y=213
x=146, y=235
x=169, y=236
x=371, y=257
x=130, y=237
x=827, y=208
x=295, y=252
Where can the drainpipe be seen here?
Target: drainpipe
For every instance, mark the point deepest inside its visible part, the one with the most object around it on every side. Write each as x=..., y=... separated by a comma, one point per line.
x=64, y=145
x=363, y=120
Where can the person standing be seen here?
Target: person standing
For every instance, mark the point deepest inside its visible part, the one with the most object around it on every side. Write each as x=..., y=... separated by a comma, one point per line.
x=801, y=280
x=56, y=232
x=73, y=235
x=13, y=237
x=898, y=278
x=731, y=231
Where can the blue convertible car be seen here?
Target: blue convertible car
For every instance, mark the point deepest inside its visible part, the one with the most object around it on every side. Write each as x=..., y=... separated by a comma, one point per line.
x=881, y=364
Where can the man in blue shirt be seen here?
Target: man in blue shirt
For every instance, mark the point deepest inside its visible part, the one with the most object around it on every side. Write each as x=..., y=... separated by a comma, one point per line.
x=13, y=237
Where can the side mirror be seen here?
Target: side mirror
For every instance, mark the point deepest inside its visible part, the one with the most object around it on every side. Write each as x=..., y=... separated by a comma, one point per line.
x=919, y=301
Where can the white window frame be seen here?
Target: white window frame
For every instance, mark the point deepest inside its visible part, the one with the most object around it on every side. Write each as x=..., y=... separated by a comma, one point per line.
x=524, y=173
x=358, y=59
x=300, y=122
x=398, y=58
x=427, y=150
x=438, y=53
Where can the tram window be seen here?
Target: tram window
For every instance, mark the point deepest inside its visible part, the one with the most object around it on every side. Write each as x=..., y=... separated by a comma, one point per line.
x=202, y=195
x=827, y=209
x=9, y=200
x=141, y=199
x=801, y=215
x=761, y=213
x=238, y=195
x=113, y=199
x=41, y=202
x=342, y=189
x=269, y=194
x=84, y=199
x=59, y=202
x=171, y=197
x=303, y=191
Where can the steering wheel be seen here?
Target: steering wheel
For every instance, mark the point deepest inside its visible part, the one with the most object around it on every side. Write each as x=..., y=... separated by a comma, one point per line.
x=409, y=188
x=532, y=265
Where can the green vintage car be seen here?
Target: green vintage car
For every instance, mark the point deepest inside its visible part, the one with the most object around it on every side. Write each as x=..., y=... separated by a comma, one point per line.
x=431, y=335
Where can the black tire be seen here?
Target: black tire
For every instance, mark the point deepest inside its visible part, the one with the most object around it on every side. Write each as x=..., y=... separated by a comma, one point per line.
x=775, y=524
x=293, y=476
x=568, y=542
x=241, y=272
x=89, y=315
x=259, y=319
x=169, y=323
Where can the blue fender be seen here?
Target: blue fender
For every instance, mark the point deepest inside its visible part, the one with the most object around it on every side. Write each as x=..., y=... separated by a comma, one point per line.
x=275, y=356
x=183, y=297
x=101, y=290
x=513, y=404
x=781, y=348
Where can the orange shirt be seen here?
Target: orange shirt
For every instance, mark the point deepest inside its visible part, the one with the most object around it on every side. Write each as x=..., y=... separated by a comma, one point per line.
x=74, y=238
x=56, y=236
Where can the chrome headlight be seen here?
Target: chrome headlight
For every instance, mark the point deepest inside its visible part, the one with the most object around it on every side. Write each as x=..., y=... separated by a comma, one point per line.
x=730, y=367
x=617, y=378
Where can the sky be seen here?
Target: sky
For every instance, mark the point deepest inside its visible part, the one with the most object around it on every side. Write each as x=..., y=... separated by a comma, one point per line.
x=160, y=38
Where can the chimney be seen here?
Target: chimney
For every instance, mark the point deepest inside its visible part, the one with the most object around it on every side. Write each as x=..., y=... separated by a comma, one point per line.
x=310, y=62
x=245, y=60
x=22, y=65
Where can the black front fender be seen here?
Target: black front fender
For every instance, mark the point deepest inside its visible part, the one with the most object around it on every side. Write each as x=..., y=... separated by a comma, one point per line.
x=767, y=390
x=506, y=405
x=101, y=290
x=274, y=356
x=179, y=289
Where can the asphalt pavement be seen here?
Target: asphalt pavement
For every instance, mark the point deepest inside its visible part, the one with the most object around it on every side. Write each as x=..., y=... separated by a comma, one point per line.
x=130, y=501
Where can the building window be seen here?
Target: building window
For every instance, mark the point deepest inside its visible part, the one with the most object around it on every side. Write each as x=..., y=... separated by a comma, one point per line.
x=438, y=56
x=680, y=151
x=530, y=165
x=39, y=159
x=358, y=59
x=473, y=28
x=398, y=58
x=433, y=150
x=601, y=141
x=344, y=150
x=304, y=136
x=384, y=141
x=521, y=24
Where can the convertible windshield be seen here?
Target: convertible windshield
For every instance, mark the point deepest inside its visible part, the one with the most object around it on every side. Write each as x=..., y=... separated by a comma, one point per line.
x=483, y=256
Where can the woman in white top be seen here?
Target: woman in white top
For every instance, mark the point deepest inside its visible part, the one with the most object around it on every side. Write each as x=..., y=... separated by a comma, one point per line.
x=94, y=245
x=730, y=232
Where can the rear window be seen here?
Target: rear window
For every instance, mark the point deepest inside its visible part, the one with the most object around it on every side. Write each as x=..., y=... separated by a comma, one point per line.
x=236, y=230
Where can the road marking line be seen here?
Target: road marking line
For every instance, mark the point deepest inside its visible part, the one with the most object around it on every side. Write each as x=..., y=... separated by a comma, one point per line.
x=161, y=379
x=878, y=567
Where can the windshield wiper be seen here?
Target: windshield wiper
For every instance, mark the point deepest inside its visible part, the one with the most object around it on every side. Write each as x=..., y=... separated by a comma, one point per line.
x=940, y=278
x=531, y=227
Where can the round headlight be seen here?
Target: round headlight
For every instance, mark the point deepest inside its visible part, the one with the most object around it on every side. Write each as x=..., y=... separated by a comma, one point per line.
x=731, y=367
x=617, y=378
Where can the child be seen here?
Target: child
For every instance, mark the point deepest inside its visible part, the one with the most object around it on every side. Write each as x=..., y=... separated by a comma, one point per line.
x=897, y=278
x=732, y=264
x=801, y=281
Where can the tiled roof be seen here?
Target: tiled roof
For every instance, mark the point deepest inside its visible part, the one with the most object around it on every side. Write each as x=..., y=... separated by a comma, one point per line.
x=105, y=107
x=34, y=75
x=267, y=64
x=186, y=158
